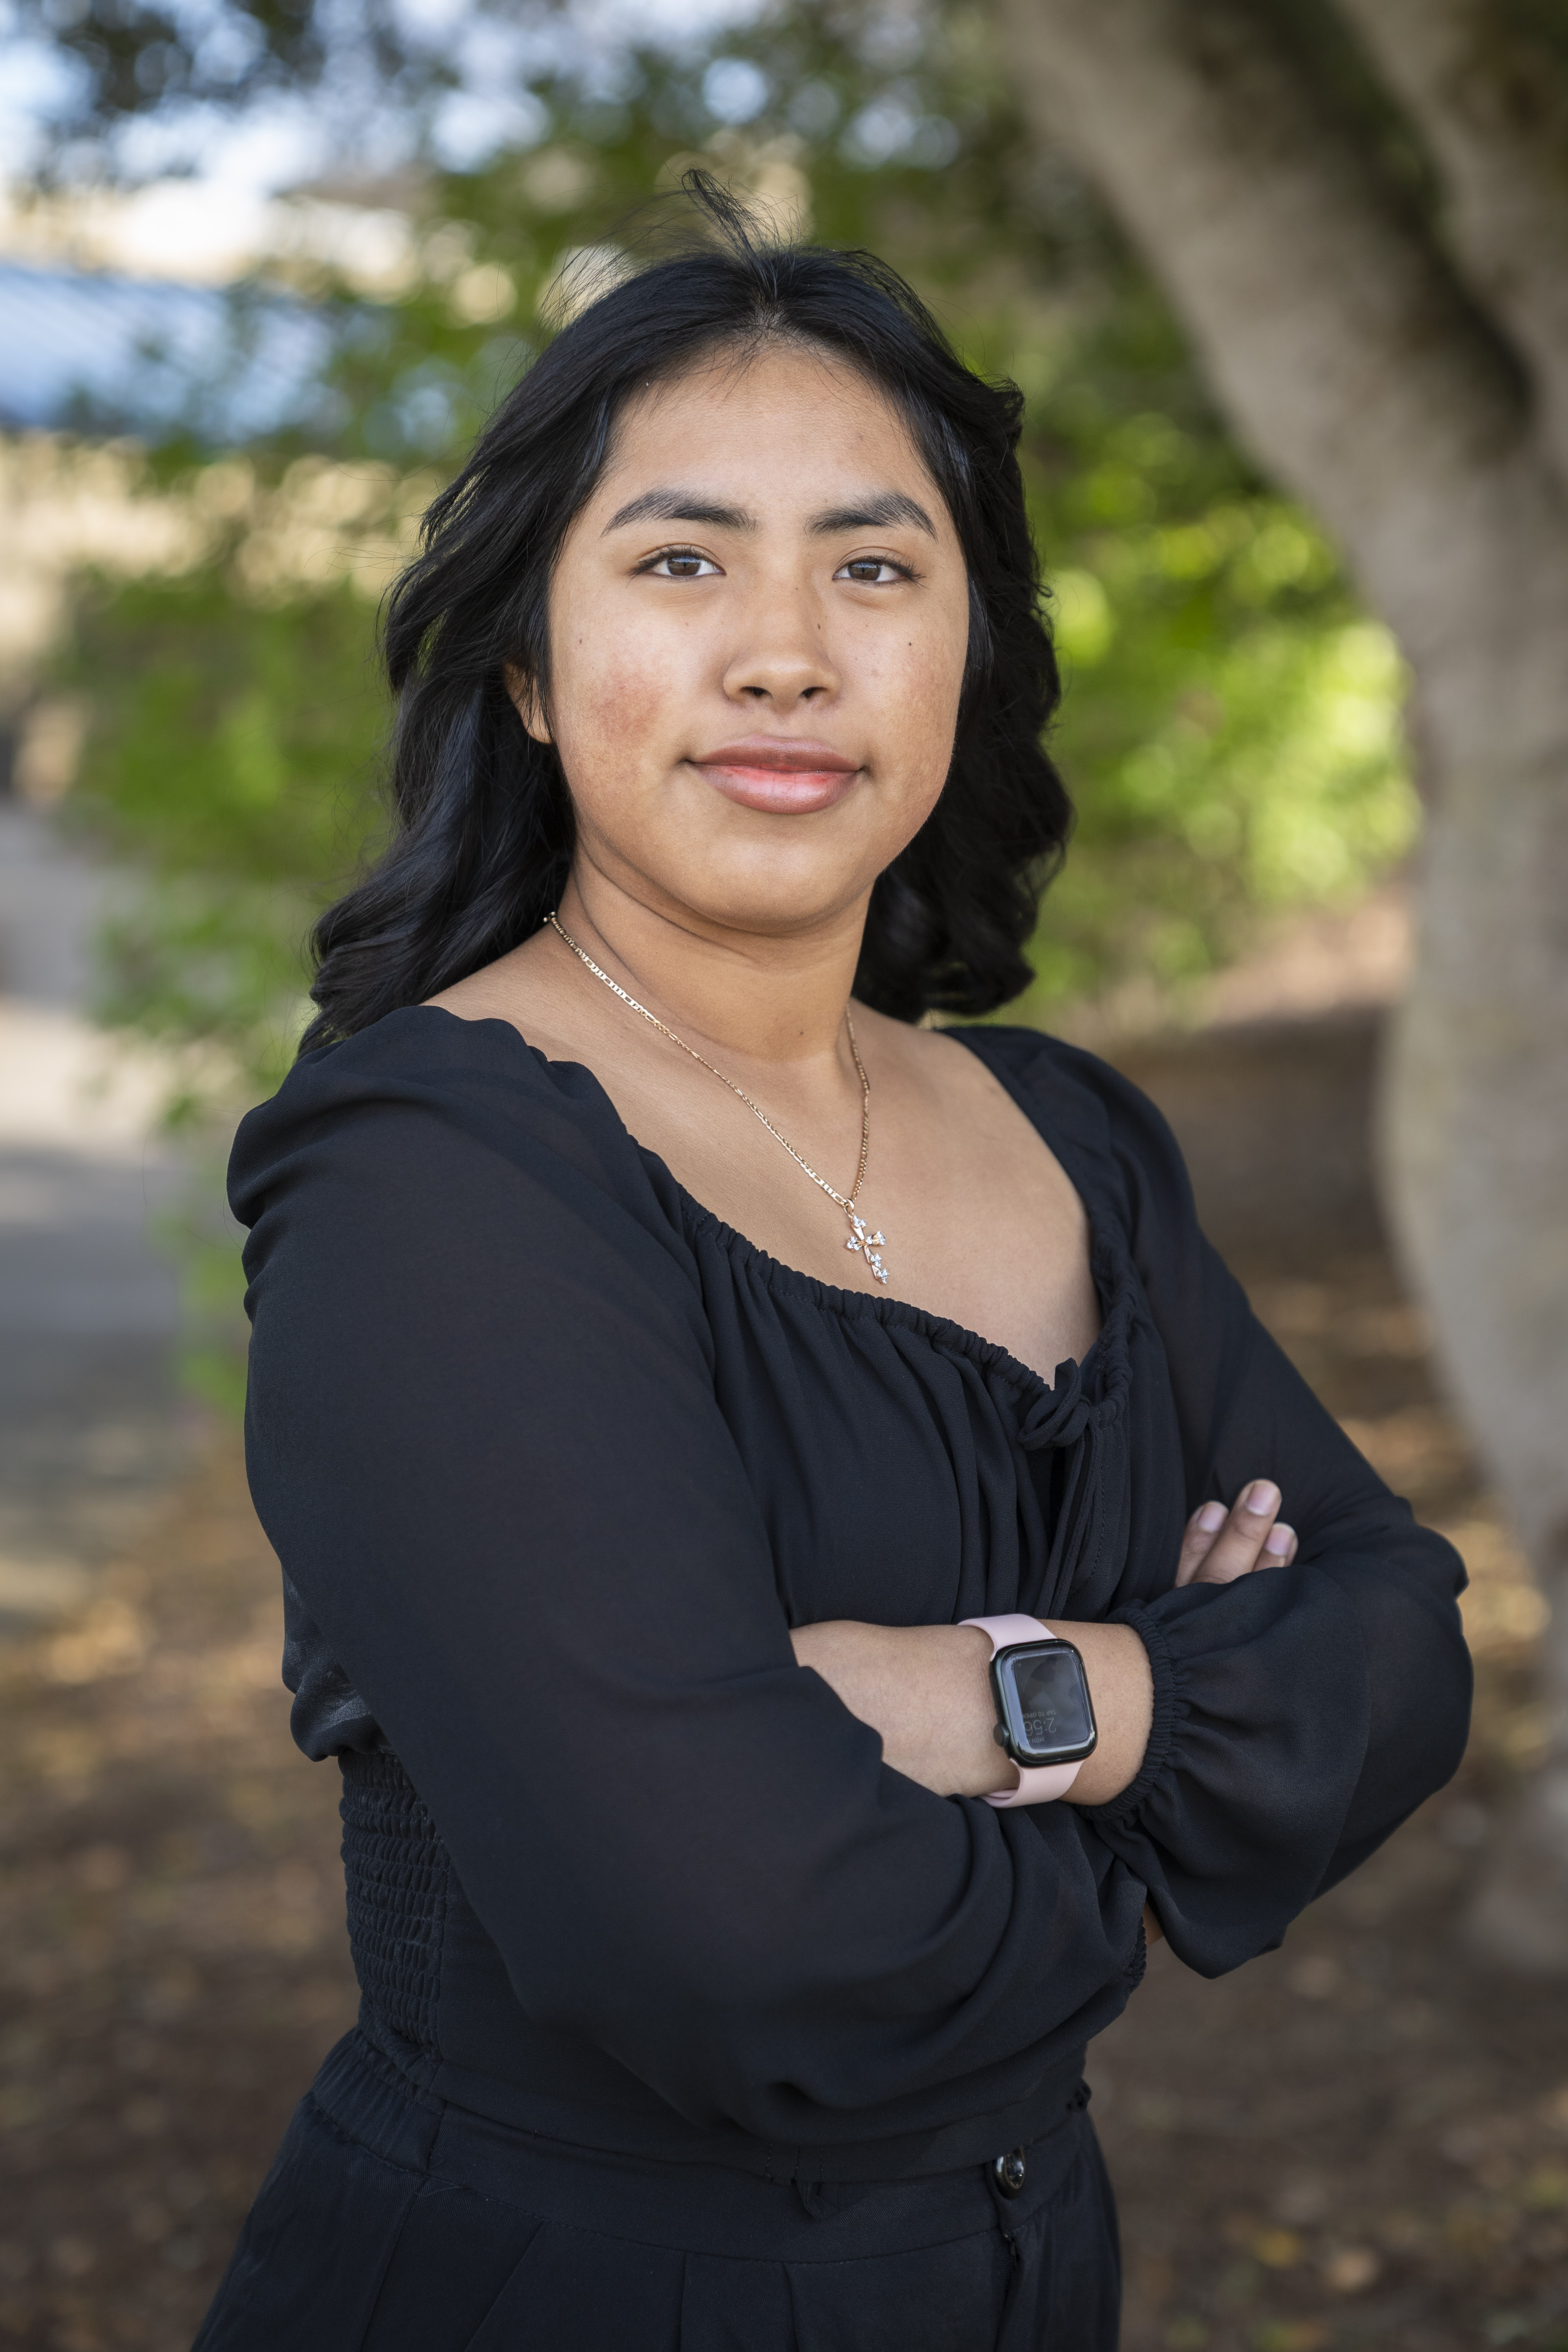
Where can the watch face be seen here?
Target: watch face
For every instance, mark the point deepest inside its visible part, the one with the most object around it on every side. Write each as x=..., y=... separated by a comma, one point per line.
x=1046, y=1705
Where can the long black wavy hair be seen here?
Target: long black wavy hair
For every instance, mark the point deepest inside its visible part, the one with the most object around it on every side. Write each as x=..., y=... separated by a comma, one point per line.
x=483, y=823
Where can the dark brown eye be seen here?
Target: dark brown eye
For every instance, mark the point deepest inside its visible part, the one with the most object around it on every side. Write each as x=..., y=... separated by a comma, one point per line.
x=871, y=571
x=681, y=564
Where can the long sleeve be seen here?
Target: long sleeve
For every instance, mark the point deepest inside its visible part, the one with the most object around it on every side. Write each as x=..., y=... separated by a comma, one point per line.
x=1303, y=1712
x=484, y=1440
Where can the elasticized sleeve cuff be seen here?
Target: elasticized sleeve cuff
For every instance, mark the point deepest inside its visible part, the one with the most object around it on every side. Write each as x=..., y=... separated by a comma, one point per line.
x=1170, y=1682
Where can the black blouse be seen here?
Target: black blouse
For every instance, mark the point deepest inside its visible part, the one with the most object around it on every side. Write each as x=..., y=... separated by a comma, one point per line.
x=553, y=1459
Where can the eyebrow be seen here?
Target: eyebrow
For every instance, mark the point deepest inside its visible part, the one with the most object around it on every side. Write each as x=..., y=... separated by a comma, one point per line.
x=874, y=513
x=680, y=506
x=885, y=507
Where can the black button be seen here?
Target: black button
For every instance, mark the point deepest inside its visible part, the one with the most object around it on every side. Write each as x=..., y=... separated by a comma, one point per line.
x=1009, y=2173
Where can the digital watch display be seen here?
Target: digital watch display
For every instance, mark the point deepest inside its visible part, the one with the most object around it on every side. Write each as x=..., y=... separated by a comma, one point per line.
x=1044, y=1714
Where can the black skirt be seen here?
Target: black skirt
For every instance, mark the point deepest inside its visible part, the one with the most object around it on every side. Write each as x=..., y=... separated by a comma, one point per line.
x=392, y=2224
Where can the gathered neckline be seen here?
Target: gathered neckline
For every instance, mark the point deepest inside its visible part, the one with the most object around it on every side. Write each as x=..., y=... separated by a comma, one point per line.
x=1106, y=1353
x=990, y=1355
x=1108, y=1271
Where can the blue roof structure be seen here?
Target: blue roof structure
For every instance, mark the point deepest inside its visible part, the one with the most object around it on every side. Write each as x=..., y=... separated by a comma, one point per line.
x=107, y=354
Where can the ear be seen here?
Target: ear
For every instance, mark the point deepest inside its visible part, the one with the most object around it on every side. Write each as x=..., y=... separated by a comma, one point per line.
x=528, y=703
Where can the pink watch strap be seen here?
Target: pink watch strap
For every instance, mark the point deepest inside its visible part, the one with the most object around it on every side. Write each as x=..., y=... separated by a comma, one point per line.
x=1043, y=1782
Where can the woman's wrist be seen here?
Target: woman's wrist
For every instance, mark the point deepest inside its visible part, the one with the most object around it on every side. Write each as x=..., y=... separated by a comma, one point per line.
x=926, y=1690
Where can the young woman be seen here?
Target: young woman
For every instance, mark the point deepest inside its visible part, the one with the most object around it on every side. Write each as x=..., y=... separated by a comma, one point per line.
x=667, y=1345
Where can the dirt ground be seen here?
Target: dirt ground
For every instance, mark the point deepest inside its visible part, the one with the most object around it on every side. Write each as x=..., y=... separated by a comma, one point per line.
x=1360, y=2139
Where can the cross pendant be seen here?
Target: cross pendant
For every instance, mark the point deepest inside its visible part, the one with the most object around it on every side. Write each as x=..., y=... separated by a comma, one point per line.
x=870, y=1242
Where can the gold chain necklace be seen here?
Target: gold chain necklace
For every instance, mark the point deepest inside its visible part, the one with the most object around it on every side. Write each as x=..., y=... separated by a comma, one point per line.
x=867, y=1244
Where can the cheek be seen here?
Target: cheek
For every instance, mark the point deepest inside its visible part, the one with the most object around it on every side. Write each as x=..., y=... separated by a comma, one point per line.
x=611, y=707
x=917, y=683
x=935, y=687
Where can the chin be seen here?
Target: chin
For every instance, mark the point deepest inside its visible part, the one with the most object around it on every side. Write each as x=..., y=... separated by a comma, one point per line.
x=770, y=885
x=772, y=899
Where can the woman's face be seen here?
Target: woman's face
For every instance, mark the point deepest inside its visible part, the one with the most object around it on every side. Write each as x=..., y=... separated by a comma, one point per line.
x=758, y=626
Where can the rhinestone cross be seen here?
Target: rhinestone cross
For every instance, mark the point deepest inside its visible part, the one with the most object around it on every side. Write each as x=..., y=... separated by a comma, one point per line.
x=860, y=1239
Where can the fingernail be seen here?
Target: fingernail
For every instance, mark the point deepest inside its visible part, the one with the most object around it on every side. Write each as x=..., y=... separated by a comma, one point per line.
x=1211, y=1519
x=1280, y=1540
x=1261, y=1497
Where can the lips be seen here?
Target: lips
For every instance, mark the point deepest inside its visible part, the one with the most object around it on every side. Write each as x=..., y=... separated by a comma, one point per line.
x=780, y=776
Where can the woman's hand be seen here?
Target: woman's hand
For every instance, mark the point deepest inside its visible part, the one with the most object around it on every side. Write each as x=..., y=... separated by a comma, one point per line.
x=1221, y=1545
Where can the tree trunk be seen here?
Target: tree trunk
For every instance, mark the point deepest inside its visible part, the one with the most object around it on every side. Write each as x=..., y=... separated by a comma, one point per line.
x=1411, y=411
x=1491, y=96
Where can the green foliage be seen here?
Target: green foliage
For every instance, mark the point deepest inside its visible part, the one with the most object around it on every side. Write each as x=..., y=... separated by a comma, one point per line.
x=1230, y=724
x=231, y=760
x=231, y=735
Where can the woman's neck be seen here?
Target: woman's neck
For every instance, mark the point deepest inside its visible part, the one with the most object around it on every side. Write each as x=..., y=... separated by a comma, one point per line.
x=763, y=997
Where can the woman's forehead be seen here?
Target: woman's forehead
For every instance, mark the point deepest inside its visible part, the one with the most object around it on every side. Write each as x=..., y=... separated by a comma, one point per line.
x=790, y=413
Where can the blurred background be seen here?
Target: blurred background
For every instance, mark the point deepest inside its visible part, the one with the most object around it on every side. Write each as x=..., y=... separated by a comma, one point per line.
x=265, y=265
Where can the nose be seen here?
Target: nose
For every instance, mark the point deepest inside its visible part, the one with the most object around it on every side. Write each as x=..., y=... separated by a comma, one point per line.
x=782, y=659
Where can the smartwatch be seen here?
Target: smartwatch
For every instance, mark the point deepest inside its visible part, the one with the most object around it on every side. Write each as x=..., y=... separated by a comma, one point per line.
x=1044, y=1719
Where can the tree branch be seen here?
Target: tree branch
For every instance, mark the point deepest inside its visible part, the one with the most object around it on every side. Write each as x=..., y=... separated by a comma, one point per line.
x=1345, y=348
x=1489, y=92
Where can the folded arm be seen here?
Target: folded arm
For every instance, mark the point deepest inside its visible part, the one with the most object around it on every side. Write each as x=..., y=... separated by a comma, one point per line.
x=926, y=1689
